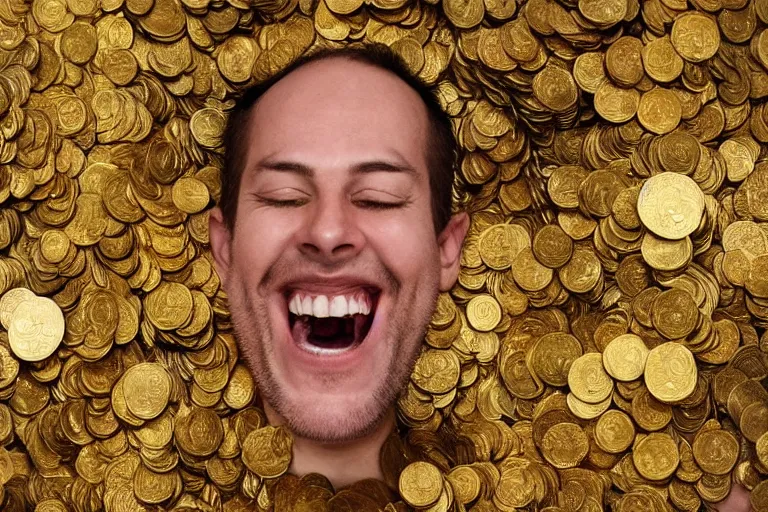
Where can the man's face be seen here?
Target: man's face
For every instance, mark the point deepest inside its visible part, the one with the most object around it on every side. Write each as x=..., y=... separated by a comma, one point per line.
x=333, y=266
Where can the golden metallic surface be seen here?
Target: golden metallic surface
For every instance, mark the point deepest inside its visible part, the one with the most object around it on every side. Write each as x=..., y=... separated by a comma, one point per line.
x=614, y=431
x=35, y=328
x=716, y=451
x=670, y=205
x=421, y=484
x=588, y=379
x=656, y=456
x=625, y=356
x=670, y=372
x=612, y=162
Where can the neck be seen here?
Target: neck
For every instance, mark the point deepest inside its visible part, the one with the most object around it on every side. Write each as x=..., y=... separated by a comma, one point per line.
x=342, y=463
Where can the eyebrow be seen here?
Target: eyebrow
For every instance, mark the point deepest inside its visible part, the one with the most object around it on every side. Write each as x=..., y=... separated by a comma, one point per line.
x=361, y=168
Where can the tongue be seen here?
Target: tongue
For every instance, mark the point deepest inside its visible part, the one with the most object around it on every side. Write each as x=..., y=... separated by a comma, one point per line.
x=331, y=327
x=329, y=332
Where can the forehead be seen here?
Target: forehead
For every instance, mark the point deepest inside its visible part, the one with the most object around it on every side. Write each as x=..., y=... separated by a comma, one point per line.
x=338, y=109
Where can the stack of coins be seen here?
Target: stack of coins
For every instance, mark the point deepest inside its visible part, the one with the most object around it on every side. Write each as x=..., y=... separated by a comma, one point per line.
x=605, y=346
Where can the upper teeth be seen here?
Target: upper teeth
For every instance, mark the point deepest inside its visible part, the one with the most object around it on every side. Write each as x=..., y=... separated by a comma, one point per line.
x=323, y=306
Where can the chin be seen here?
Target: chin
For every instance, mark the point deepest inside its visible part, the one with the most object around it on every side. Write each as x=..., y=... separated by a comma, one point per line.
x=330, y=418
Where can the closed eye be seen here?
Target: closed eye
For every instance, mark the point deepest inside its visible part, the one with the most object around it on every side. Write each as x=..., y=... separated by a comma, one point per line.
x=282, y=203
x=380, y=205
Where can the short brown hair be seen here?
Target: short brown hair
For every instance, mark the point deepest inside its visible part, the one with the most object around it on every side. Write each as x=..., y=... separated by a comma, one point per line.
x=442, y=150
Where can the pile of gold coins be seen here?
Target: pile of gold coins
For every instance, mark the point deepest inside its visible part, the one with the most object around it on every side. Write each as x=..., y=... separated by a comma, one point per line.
x=604, y=348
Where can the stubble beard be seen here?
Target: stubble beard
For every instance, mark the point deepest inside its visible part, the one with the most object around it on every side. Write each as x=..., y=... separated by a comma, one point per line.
x=255, y=338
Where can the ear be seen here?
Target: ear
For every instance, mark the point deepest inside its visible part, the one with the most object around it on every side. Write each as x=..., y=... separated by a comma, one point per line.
x=220, y=243
x=450, y=242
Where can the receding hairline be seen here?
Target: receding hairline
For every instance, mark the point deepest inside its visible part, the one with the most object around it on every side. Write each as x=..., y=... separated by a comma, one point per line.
x=350, y=58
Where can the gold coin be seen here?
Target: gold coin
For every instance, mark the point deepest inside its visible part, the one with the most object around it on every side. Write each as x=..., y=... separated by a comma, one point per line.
x=739, y=160
x=659, y=111
x=565, y=445
x=674, y=313
x=150, y=390
x=10, y=301
x=466, y=483
x=666, y=255
x=588, y=380
x=661, y=61
x=51, y=505
x=679, y=152
x=670, y=372
x=758, y=498
x=745, y=236
x=36, y=329
x=552, y=356
x=529, y=274
x=605, y=13
x=729, y=338
x=563, y=185
x=583, y=271
x=589, y=70
x=500, y=244
x=715, y=451
x=670, y=205
x=624, y=357
x=169, y=306
x=614, y=431
x=684, y=496
x=587, y=411
x=483, y=313
x=420, y=484
x=555, y=88
x=267, y=451
x=615, y=104
x=623, y=61
x=6, y=466
x=761, y=447
x=190, y=195
x=713, y=488
x=552, y=247
x=437, y=371
x=656, y=456
x=754, y=421
x=464, y=14
x=695, y=36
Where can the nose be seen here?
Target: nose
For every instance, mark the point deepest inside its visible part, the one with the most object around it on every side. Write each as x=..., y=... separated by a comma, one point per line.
x=331, y=233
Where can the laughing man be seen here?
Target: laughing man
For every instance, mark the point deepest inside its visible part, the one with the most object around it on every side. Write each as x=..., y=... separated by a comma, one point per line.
x=333, y=238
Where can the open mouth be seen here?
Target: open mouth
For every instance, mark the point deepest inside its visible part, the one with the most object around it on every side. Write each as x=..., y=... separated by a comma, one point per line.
x=331, y=324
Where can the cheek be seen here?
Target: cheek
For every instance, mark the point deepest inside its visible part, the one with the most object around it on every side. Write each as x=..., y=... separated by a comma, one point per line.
x=259, y=239
x=408, y=248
